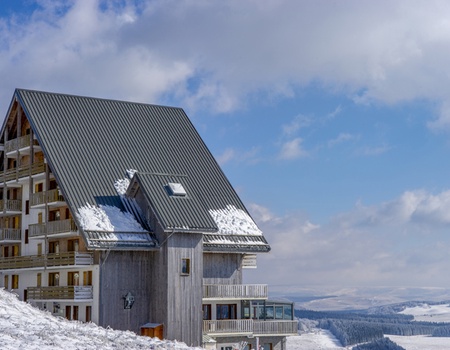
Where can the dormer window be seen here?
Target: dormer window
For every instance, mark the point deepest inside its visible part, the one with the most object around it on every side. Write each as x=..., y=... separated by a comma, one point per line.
x=176, y=189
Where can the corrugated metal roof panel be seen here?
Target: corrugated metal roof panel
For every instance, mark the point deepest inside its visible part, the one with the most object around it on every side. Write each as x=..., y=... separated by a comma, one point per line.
x=90, y=143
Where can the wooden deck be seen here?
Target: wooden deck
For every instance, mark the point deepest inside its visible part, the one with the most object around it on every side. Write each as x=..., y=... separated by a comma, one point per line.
x=58, y=293
x=19, y=143
x=10, y=234
x=60, y=259
x=52, y=228
x=23, y=171
x=41, y=198
x=250, y=327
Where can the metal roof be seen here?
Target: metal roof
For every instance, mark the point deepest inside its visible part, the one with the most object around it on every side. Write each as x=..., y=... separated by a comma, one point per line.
x=89, y=144
x=187, y=213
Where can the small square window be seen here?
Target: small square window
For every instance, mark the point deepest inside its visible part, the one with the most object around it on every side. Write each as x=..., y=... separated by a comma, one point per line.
x=185, y=266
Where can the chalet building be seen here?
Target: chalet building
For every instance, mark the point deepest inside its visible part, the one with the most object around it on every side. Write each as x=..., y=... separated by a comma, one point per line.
x=117, y=213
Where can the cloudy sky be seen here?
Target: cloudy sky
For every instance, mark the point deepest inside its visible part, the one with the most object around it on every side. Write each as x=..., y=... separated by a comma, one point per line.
x=330, y=118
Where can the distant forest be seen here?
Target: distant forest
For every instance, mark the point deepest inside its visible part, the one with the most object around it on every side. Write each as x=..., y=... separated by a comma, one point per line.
x=358, y=327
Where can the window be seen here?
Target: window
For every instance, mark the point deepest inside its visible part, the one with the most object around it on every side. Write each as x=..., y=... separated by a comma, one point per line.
x=26, y=236
x=73, y=278
x=27, y=207
x=6, y=282
x=38, y=187
x=53, y=279
x=53, y=247
x=87, y=278
x=68, y=311
x=206, y=311
x=39, y=218
x=88, y=313
x=38, y=279
x=185, y=266
x=54, y=215
x=75, y=313
x=15, y=282
x=72, y=245
x=267, y=346
x=5, y=252
x=15, y=250
x=226, y=311
x=39, y=249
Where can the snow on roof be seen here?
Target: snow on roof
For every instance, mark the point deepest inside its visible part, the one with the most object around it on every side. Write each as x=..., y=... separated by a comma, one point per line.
x=107, y=218
x=121, y=185
x=233, y=221
x=26, y=327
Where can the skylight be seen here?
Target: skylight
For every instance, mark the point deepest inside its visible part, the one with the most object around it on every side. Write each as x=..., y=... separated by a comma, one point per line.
x=176, y=189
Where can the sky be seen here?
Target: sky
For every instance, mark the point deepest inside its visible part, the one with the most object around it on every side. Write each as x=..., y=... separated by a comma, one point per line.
x=330, y=118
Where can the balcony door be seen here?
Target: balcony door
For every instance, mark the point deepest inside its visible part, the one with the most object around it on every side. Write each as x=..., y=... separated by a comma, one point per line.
x=226, y=311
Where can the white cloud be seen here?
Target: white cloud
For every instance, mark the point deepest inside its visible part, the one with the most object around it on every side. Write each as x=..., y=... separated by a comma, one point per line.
x=386, y=51
x=401, y=242
x=341, y=138
x=296, y=124
x=292, y=149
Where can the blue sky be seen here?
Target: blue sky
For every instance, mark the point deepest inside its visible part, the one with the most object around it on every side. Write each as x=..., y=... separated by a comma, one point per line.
x=330, y=118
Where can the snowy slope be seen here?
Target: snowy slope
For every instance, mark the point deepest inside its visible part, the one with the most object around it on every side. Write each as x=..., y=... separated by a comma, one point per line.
x=25, y=327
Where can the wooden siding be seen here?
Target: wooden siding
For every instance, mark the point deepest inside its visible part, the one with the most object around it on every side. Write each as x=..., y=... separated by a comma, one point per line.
x=222, y=268
x=235, y=291
x=123, y=272
x=184, y=292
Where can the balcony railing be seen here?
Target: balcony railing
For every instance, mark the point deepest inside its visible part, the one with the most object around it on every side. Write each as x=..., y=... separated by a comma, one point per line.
x=54, y=259
x=228, y=326
x=41, y=198
x=24, y=170
x=52, y=228
x=18, y=143
x=253, y=327
x=275, y=327
x=58, y=293
x=235, y=291
x=10, y=234
x=11, y=205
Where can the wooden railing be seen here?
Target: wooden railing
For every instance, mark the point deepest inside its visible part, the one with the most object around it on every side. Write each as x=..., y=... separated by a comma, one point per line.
x=69, y=292
x=235, y=291
x=54, y=259
x=24, y=170
x=18, y=143
x=10, y=234
x=275, y=327
x=46, y=197
x=254, y=327
x=228, y=326
x=52, y=227
x=11, y=205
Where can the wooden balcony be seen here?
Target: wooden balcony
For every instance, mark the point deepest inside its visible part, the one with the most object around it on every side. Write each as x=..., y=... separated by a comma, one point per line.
x=10, y=206
x=24, y=171
x=228, y=327
x=60, y=228
x=59, y=293
x=250, y=327
x=51, y=197
x=235, y=291
x=10, y=235
x=22, y=143
x=275, y=327
x=48, y=260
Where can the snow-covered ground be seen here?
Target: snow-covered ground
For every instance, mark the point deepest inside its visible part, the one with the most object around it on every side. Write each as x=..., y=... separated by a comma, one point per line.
x=421, y=342
x=25, y=327
x=429, y=313
x=314, y=340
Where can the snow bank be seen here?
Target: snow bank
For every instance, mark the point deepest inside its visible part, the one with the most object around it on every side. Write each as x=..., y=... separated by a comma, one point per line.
x=233, y=221
x=25, y=327
x=121, y=185
x=107, y=218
